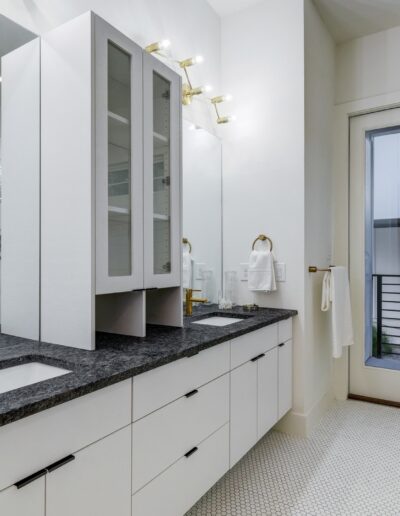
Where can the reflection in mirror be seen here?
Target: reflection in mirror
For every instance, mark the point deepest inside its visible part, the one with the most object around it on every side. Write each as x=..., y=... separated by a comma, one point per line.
x=202, y=211
x=12, y=36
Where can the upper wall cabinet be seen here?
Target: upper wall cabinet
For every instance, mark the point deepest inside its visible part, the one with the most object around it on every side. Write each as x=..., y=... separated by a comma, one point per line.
x=119, y=161
x=162, y=134
x=107, y=183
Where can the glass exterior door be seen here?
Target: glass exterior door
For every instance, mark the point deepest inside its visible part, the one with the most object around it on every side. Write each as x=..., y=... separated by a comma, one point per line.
x=162, y=170
x=119, y=179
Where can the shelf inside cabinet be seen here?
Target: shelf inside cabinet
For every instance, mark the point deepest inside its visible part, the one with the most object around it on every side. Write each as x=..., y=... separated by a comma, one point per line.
x=120, y=214
x=159, y=139
x=118, y=118
x=159, y=216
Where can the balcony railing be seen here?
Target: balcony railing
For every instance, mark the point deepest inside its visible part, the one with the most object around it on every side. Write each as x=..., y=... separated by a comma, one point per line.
x=386, y=314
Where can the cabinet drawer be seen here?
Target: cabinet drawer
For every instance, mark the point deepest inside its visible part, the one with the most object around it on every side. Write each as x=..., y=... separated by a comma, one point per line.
x=156, y=388
x=284, y=330
x=164, y=436
x=23, y=502
x=177, y=489
x=33, y=443
x=252, y=344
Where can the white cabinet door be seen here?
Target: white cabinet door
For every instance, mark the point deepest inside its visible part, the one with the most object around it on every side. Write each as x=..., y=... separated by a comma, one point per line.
x=162, y=174
x=285, y=377
x=27, y=501
x=119, y=161
x=267, y=403
x=243, y=410
x=96, y=483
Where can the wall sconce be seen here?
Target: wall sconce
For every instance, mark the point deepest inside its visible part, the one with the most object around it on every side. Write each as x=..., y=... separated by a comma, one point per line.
x=158, y=46
x=217, y=100
x=188, y=92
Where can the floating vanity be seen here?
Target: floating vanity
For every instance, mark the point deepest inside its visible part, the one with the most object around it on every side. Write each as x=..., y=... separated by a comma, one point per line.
x=141, y=426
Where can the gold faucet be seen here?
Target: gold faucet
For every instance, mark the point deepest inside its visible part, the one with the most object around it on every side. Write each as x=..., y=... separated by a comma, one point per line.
x=190, y=300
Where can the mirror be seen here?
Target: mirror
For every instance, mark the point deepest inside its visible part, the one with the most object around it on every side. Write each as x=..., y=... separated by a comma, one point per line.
x=202, y=211
x=12, y=36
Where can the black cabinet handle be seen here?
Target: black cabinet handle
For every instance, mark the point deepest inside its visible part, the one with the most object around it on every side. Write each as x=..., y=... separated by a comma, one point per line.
x=281, y=344
x=258, y=357
x=191, y=393
x=190, y=452
x=27, y=480
x=60, y=463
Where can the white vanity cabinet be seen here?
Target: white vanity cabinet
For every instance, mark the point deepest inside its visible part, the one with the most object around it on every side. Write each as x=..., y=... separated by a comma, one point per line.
x=260, y=387
x=96, y=482
x=29, y=500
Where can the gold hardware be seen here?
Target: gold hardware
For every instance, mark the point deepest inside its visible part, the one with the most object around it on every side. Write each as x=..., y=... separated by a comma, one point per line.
x=190, y=300
x=223, y=120
x=185, y=241
x=313, y=268
x=158, y=46
x=263, y=238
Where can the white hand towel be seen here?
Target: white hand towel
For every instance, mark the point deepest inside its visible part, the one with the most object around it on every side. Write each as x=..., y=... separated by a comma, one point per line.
x=186, y=269
x=337, y=285
x=261, y=275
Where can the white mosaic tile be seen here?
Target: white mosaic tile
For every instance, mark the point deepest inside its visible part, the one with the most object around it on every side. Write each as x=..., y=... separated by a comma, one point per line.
x=350, y=466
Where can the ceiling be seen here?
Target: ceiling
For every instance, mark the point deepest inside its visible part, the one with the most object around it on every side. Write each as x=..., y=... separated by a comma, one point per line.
x=225, y=7
x=350, y=19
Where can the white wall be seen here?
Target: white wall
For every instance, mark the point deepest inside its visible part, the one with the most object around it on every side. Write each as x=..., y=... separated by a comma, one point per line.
x=319, y=105
x=368, y=66
x=278, y=61
x=263, y=152
x=192, y=26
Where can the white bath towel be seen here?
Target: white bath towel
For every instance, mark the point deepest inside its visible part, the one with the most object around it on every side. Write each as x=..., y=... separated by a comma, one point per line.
x=336, y=294
x=261, y=275
x=186, y=269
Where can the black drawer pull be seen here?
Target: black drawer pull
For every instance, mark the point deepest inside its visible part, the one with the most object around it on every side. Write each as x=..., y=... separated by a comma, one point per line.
x=191, y=393
x=281, y=344
x=258, y=357
x=190, y=452
x=27, y=480
x=60, y=463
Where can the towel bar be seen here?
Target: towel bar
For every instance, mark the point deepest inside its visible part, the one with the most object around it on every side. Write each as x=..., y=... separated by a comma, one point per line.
x=313, y=268
x=185, y=241
x=263, y=238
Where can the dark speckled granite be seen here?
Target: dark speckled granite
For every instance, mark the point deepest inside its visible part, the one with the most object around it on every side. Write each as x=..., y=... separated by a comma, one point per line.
x=116, y=358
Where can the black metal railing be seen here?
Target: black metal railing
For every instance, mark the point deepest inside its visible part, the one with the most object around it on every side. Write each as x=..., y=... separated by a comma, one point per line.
x=386, y=330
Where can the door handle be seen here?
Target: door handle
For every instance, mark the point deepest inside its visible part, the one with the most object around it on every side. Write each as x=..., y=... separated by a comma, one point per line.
x=281, y=344
x=60, y=463
x=258, y=357
x=31, y=478
x=190, y=452
x=191, y=393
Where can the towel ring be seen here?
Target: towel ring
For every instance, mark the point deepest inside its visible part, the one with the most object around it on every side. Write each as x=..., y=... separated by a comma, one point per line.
x=185, y=241
x=263, y=238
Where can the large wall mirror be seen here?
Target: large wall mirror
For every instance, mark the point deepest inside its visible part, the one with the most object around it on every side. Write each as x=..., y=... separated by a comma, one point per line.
x=202, y=211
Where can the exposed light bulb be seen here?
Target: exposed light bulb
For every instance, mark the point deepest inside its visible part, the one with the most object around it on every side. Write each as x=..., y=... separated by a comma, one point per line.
x=228, y=97
x=198, y=59
x=192, y=127
x=164, y=44
x=207, y=88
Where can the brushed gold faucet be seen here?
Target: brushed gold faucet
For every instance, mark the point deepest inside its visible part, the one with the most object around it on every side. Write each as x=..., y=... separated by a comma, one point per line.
x=190, y=300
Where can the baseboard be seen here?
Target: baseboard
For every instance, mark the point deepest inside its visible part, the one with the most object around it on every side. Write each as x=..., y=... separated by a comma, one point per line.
x=378, y=401
x=296, y=423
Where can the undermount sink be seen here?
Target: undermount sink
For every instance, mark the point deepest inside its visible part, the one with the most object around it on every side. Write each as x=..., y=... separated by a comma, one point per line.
x=218, y=320
x=26, y=374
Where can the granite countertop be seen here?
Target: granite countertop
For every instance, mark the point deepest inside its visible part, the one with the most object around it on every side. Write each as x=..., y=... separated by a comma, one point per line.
x=116, y=357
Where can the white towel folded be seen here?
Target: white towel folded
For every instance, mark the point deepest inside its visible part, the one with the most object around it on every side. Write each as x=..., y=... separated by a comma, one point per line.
x=186, y=269
x=336, y=292
x=261, y=275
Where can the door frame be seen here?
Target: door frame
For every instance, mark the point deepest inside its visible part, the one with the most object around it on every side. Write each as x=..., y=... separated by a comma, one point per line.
x=341, y=175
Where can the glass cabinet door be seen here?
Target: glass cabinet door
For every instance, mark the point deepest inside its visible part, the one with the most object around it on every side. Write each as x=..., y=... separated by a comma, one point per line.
x=119, y=183
x=162, y=174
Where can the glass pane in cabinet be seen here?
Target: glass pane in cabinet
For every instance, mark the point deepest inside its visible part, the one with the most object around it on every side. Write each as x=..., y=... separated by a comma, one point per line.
x=119, y=162
x=161, y=175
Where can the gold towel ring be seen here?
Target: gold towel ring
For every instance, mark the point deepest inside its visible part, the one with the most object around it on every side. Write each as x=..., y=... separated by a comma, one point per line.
x=185, y=241
x=263, y=238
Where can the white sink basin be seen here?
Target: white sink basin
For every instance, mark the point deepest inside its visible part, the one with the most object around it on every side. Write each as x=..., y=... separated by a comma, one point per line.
x=218, y=321
x=26, y=374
